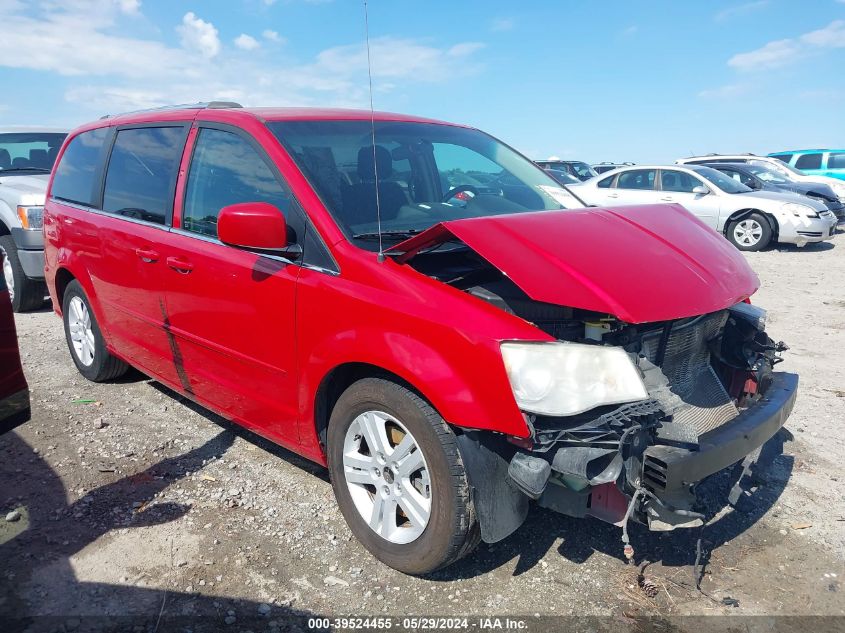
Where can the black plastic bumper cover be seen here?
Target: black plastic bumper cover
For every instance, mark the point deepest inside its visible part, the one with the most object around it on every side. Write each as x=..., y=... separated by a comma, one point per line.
x=724, y=446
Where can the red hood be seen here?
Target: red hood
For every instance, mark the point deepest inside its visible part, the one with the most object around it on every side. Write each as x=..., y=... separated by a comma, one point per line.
x=640, y=264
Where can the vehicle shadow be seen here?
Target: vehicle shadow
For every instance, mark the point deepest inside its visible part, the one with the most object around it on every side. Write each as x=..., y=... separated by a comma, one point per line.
x=814, y=247
x=52, y=531
x=248, y=436
x=581, y=538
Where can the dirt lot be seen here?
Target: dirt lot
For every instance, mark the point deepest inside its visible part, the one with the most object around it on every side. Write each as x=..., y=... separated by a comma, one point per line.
x=137, y=502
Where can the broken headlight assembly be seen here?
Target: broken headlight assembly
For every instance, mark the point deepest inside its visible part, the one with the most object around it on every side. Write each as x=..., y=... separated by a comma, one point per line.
x=563, y=378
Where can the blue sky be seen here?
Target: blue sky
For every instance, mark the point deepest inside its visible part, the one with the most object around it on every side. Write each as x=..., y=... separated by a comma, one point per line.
x=608, y=80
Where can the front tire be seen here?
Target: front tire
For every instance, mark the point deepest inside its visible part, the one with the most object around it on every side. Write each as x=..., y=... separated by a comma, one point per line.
x=399, y=479
x=750, y=233
x=84, y=339
x=27, y=294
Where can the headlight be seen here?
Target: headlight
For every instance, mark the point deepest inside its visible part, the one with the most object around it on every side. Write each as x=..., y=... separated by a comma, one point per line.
x=799, y=210
x=569, y=378
x=32, y=218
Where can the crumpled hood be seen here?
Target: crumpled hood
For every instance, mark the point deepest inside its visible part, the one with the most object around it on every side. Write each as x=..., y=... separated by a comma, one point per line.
x=640, y=264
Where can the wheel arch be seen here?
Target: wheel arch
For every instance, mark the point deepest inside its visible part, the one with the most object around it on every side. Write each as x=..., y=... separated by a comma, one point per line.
x=743, y=213
x=338, y=380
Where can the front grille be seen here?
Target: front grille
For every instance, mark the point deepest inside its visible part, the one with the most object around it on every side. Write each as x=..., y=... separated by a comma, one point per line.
x=686, y=364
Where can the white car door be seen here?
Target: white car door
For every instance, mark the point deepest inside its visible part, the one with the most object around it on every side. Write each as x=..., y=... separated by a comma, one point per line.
x=633, y=186
x=685, y=189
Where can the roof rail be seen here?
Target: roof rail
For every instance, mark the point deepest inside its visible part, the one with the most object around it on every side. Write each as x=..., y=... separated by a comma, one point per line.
x=202, y=105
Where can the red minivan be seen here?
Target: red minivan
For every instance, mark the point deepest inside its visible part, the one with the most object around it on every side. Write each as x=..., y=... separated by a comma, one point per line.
x=418, y=307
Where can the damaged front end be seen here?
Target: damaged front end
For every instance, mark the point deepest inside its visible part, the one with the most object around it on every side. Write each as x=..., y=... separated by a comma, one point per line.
x=709, y=396
x=713, y=399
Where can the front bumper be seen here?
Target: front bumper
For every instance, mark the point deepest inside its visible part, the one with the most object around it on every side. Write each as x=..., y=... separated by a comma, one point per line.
x=671, y=472
x=30, y=251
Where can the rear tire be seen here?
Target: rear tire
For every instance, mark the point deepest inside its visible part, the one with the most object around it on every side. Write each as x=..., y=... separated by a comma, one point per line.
x=84, y=339
x=450, y=528
x=750, y=233
x=27, y=294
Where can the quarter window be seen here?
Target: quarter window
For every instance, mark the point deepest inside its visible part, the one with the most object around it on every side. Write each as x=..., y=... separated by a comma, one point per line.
x=678, y=181
x=77, y=171
x=809, y=161
x=836, y=161
x=225, y=170
x=605, y=183
x=636, y=179
x=142, y=173
x=783, y=157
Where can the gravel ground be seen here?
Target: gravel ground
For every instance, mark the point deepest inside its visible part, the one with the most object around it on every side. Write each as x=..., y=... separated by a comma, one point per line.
x=139, y=502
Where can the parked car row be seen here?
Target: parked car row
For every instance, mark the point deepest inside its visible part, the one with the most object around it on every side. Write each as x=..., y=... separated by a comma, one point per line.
x=752, y=200
x=420, y=308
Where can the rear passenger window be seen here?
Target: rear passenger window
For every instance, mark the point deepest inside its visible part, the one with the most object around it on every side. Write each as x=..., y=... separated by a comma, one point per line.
x=142, y=173
x=636, y=179
x=75, y=174
x=225, y=170
x=809, y=161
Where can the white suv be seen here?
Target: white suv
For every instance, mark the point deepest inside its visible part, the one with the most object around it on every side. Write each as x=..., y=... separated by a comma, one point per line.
x=749, y=219
x=26, y=158
x=778, y=165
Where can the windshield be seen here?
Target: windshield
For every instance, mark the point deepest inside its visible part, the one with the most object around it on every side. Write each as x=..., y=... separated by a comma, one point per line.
x=420, y=173
x=723, y=182
x=768, y=175
x=779, y=166
x=29, y=151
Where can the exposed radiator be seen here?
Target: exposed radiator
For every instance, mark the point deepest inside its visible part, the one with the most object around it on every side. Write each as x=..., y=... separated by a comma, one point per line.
x=686, y=363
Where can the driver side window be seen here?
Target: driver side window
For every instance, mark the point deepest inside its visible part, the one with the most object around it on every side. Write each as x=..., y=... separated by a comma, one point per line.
x=226, y=169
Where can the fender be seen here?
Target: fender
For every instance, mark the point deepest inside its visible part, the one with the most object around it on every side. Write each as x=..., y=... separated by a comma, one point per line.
x=65, y=259
x=483, y=401
x=738, y=215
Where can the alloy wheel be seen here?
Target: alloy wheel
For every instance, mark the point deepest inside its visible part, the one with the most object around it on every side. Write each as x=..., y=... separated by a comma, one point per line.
x=81, y=333
x=387, y=476
x=748, y=232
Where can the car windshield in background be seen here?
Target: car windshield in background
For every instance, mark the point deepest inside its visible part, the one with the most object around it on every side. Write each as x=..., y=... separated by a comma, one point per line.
x=29, y=151
x=779, y=166
x=421, y=173
x=768, y=175
x=723, y=182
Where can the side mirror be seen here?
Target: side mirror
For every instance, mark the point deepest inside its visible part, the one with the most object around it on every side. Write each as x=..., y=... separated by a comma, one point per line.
x=700, y=190
x=256, y=225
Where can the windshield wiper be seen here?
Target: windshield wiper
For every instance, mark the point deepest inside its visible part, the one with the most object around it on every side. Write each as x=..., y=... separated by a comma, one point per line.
x=398, y=235
x=6, y=171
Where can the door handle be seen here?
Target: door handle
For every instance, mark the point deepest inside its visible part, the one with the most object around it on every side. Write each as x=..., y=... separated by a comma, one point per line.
x=667, y=199
x=180, y=265
x=613, y=195
x=148, y=256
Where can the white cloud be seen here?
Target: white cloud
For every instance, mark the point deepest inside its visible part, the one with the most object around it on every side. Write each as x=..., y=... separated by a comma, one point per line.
x=129, y=7
x=108, y=72
x=831, y=36
x=783, y=52
x=199, y=35
x=740, y=9
x=728, y=91
x=272, y=36
x=772, y=55
x=499, y=25
x=246, y=42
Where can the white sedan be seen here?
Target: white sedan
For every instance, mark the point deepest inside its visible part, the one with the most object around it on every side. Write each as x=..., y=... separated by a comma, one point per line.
x=749, y=219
